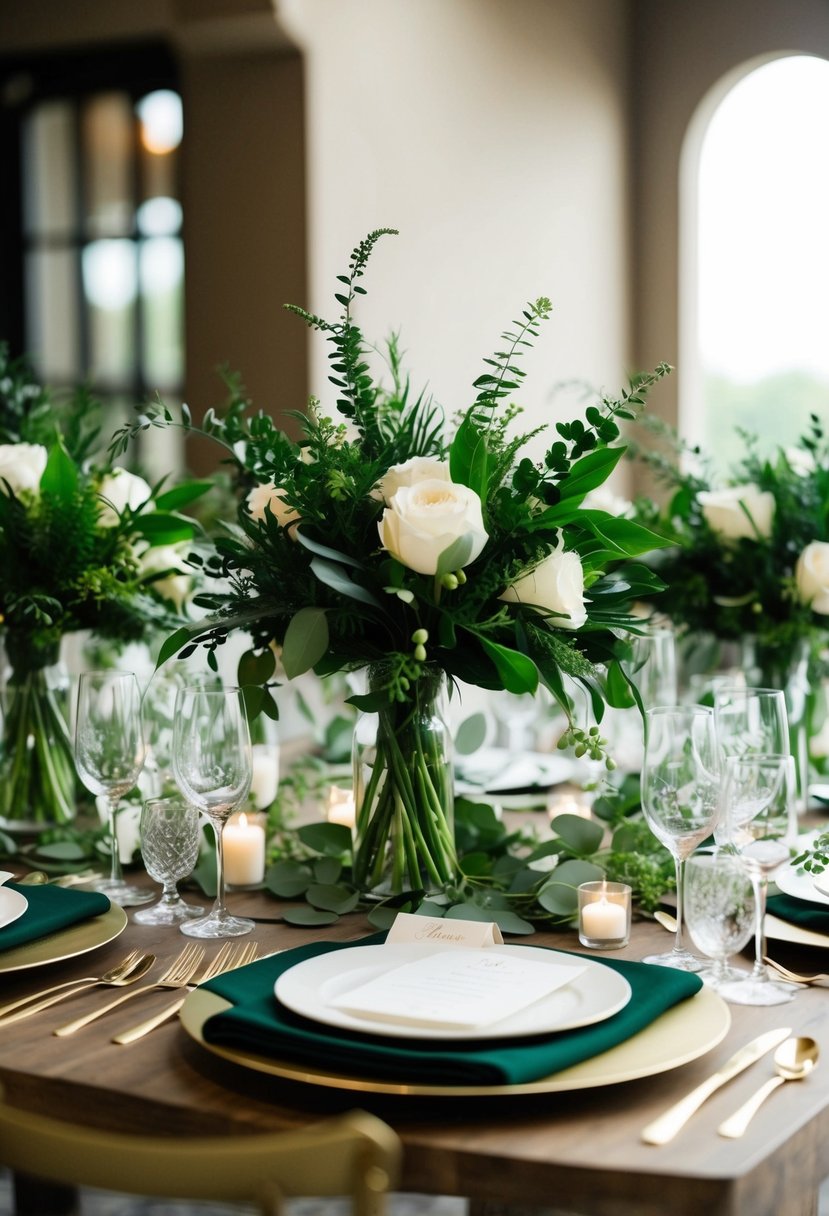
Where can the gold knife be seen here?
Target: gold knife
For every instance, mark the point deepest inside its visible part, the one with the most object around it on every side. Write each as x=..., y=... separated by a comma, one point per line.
x=666, y=1126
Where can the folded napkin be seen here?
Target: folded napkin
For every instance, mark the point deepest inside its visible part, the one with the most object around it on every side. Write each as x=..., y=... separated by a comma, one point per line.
x=256, y=1023
x=800, y=912
x=50, y=910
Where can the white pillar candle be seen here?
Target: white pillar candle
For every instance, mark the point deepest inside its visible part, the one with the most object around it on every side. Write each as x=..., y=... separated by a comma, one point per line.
x=341, y=808
x=243, y=846
x=603, y=921
x=604, y=914
x=265, y=779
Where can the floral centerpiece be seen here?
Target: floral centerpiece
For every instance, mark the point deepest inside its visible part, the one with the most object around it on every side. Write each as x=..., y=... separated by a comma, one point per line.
x=82, y=547
x=421, y=552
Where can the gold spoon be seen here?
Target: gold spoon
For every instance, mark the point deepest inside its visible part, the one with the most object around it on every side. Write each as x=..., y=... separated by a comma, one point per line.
x=794, y=1059
x=665, y=920
x=130, y=969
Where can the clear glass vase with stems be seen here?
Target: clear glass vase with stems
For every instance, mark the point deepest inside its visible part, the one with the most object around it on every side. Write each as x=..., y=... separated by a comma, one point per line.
x=680, y=789
x=109, y=756
x=404, y=791
x=38, y=782
x=213, y=768
x=785, y=668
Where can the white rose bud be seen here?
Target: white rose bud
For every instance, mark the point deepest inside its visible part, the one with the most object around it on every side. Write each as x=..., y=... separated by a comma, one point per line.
x=268, y=495
x=121, y=489
x=725, y=511
x=22, y=465
x=175, y=586
x=409, y=473
x=424, y=519
x=812, y=576
x=555, y=585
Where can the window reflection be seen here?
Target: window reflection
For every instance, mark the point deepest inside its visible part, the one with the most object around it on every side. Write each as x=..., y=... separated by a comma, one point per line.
x=107, y=159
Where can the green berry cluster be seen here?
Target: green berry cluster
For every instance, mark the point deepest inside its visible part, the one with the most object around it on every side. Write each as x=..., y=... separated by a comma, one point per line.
x=586, y=743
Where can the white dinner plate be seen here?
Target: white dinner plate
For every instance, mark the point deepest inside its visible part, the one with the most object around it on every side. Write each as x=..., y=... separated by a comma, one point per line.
x=12, y=905
x=496, y=770
x=596, y=993
x=797, y=882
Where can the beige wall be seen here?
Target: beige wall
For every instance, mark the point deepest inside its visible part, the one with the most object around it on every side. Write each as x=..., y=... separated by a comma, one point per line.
x=494, y=136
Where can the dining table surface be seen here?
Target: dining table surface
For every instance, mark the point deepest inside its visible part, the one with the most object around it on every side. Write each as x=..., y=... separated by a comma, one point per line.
x=576, y=1151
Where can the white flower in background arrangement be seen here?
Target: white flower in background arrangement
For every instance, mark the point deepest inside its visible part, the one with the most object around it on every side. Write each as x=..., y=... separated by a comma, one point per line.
x=424, y=519
x=812, y=576
x=21, y=465
x=119, y=490
x=604, y=499
x=738, y=512
x=555, y=585
x=268, y=496
x=176, y=583
x=409, y=473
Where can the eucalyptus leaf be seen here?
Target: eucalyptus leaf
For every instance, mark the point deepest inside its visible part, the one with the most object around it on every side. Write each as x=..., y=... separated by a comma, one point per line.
x=305, y=915
x=62, y=850
x=560, y=894
x=305, y=641
x=331, y=839
x=467, y=911
x=338, y=580
x=327, y=870
x=256, y=668
x=510, y=922
x=582, y=836
x=287, y=879
x=471, y=734
x=332, y=897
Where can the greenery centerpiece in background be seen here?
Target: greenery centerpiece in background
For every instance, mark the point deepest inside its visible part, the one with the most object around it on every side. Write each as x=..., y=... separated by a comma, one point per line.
x=82, y=547
x=420, y=549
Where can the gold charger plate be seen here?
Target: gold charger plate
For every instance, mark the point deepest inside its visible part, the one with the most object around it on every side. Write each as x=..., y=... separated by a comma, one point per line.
x=77, y=939
x=682, y=1034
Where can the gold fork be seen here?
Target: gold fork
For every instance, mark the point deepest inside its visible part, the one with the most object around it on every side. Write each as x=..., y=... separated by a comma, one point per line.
x=130, y=969
x=177, y=975
x=228, y=959
x=795, y=977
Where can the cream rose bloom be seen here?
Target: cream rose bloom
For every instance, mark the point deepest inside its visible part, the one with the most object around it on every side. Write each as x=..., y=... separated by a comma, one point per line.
x=22, y=465
x=555, y=585
x=269, y=495
x=409, y=473
x=175, y=586
x=725, y=515
x=121, y=489
x=423, y=519
x=812, y=576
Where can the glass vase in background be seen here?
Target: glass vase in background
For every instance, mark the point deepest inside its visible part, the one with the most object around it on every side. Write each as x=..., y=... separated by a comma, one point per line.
x=403, y=790
x=38, y=781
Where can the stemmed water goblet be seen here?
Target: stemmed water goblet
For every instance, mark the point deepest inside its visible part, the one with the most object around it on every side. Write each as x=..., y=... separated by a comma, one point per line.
x=213, y=766
x=170, y=848
x=757, y=810
x=719, y=911
x=679, y=785
x=109, y=756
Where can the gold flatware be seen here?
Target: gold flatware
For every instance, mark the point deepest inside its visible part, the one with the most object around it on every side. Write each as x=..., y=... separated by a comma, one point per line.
x=794, y=977
x=666, y=921
x=228, y=959
x=793, y=1061
x=663, y=1129
x=130, y=969
x=177, y=975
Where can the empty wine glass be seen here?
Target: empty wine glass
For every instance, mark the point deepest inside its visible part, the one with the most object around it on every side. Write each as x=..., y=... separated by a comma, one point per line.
x=719, y=911
x=517, y=713
x=758, y=798
x=751, y=721
x=170, y=849
x=213, y=766
x=679, y=784
x=109, y=755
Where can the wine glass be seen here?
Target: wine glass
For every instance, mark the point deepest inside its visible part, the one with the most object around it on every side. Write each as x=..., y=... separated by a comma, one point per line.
x=679, y=784
x=751, y=720
x=758, y=798
x=719, y=911
x=170, y=848
x=109, y=756
x=213, y=767
x=651, y=666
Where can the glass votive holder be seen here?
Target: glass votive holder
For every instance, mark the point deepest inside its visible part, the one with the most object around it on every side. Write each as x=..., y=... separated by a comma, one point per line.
x=604, y=914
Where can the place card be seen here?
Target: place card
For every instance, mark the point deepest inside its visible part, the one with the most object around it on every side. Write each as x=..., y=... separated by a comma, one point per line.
x=434, y=931
x=457, y=988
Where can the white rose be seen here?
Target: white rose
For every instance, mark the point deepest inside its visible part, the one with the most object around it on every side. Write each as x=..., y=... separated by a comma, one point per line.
x=22, y=465
x=725, y=511
x=121, y=489
x=423, y=519
x=175, y=585
x=409, y=473
x=812, y=576
x=603, y=499
x=269, y=495
x=555, y=585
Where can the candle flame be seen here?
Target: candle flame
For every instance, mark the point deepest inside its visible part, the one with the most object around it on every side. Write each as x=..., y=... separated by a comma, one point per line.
x=243, y=821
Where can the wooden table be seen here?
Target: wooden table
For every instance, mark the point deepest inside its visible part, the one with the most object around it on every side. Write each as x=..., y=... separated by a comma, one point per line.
x=578, y=1151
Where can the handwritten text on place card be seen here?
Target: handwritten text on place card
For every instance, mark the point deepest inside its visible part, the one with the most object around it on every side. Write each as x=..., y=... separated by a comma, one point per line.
x=469, y=933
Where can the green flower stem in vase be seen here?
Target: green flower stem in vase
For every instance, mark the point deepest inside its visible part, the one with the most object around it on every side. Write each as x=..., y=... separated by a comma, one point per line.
x=403, y=789
x=37, y=770
x=785, y=668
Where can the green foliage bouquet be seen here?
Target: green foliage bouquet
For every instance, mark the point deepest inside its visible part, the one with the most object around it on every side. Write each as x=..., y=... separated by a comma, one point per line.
x=82, y=547
x=392, y=542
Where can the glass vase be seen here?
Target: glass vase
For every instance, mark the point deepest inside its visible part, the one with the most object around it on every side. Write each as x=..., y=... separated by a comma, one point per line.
x=403, y=791
x=38, y=784
x=785, y=668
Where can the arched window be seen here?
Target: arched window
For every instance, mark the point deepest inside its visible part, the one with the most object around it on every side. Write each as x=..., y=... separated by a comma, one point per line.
x=756, y=258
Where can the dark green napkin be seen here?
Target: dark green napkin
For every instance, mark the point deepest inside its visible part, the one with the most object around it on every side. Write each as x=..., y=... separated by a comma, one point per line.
x=256, y=1023
x=800, y=912
x=50, y=910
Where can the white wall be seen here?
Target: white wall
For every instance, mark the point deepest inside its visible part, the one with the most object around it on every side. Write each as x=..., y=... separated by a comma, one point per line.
x=493, y=135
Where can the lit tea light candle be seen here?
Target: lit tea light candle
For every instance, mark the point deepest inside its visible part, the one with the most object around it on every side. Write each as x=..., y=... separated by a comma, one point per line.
x=243, y=846
x=341, y=808
x=604, y=914
x=569, y=802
